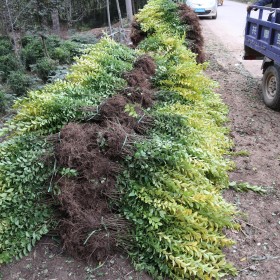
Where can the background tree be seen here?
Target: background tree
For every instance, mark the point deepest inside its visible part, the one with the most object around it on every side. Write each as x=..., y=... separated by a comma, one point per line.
x=20, y=16
x=128, y=4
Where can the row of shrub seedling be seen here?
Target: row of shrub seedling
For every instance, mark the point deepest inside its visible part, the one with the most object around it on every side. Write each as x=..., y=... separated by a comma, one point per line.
x=39, y=59
x=168, y=188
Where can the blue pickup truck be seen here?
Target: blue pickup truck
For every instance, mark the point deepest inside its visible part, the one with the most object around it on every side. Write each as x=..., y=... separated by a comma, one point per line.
x=262, y=41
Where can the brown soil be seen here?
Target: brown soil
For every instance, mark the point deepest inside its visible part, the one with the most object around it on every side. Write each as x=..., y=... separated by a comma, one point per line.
x=137, y=35
x=194, y=36
x=91, y=228
x=255, y=130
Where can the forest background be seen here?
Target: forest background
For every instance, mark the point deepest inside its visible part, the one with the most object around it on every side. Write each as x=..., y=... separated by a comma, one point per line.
x=39, y=39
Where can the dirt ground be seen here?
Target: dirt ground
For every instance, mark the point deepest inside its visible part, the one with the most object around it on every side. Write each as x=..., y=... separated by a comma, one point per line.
x=255, y=130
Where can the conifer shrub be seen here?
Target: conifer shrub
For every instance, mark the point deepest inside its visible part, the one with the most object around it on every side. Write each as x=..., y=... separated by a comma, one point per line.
x=44, y=66
x=5, y=46
x=65, y=51
x=63, y=55
x=39, y=58
x=84, y=38
x=32, y=51
x=3, y=102
x=8, y=63
x=18, y=82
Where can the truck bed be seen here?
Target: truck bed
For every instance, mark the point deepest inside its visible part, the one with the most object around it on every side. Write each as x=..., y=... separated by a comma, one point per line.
x=262, y=36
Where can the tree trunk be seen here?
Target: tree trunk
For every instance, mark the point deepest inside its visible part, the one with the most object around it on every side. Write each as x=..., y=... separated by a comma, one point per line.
x=129, y=12
x=69, y=14
x=55, y=21
x=119, y=13
x=109, y=15
x=11, y=24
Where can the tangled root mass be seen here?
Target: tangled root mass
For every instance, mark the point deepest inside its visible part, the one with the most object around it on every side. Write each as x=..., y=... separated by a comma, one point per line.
x=91, y=228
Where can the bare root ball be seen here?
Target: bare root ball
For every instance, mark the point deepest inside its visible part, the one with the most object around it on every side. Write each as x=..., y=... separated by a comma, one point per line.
x=90, y=227
x=137, y=35
x=194, y=36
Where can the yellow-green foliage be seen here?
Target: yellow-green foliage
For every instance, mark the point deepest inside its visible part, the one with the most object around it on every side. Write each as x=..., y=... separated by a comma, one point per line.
x=25, y=162
x=161, y=17
x=94, y=77
x=178, y=70
x=172, y=184
x=245, y=187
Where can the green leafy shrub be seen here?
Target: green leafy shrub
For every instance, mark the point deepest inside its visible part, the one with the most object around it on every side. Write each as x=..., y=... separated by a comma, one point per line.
x=177, y=213
x=6, y=46
x=24, y=215
x=3, y=102
x=161, y=17
x=19, y=82
x=8, y=63
x=245, y=187
x=44, y=66
x=178, y=70
x=96, y=76
x=24, y=173
x=84, y=38
x=176, y=20
x=32, y=50
x=170, y=187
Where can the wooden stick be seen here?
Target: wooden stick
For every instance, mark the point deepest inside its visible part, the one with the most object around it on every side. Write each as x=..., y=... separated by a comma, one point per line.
x=251, y=225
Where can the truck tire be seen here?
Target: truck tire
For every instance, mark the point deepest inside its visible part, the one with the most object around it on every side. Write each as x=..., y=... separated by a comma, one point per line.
x=271, y=87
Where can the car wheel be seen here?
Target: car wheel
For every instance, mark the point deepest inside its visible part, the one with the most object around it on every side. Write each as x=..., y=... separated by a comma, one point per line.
x=271, y=87
x=215, y=16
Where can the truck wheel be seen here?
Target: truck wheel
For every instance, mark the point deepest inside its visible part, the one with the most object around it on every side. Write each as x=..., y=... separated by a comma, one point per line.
x=271, y=87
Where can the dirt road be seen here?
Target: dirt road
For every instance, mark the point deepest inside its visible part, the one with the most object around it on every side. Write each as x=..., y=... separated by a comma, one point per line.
x=229, y=28
x=255, y=130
